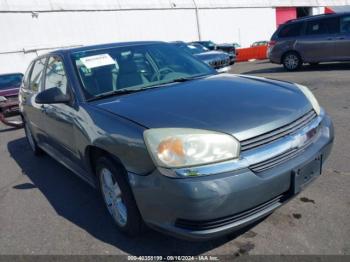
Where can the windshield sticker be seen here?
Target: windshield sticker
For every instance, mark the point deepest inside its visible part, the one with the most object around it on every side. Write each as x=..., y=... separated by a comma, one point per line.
x=97, y=61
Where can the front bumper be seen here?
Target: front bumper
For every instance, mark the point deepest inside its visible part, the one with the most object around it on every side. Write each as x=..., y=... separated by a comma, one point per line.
x=228, y=197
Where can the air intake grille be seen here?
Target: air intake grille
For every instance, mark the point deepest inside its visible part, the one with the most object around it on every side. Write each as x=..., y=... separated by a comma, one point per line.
x=214, y=223
x=278, y=133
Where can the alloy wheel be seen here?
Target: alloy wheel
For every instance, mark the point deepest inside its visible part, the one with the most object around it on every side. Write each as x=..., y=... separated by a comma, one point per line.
x=113, y=197
x=291, y=61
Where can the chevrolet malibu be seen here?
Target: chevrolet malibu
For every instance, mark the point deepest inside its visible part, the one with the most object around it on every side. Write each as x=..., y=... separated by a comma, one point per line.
x=168, y=141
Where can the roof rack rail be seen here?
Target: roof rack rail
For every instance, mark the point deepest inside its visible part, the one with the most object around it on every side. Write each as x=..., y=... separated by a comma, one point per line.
x=309, y=17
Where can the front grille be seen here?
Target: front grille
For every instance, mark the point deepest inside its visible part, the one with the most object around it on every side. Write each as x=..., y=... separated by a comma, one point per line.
x=278, y=133
x=219, y=63
x=214, y=223
x=276, y=160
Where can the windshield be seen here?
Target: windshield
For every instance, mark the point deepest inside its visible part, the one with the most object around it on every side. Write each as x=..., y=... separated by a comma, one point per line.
x=189, y=48
x=10, y=81
x=134, y=67
x=201, y=48
x=208, y=44
x=194, y=49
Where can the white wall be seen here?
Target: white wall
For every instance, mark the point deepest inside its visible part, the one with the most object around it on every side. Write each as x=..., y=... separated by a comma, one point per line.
x=59, y=29
x=241, y=25
x=38, y=24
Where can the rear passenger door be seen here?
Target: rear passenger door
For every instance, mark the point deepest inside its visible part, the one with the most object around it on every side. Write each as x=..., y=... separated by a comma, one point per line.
x=319, y=41
x=32, y=111
x=343, y=39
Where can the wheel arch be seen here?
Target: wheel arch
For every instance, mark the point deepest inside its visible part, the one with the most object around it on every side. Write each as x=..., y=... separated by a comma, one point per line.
x=93, y=152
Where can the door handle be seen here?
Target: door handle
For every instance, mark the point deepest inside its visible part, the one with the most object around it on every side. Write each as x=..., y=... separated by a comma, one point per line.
x=43, y=108
x=340, y=38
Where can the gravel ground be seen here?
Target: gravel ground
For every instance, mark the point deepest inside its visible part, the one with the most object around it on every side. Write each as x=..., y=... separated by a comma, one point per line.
x=45, y=209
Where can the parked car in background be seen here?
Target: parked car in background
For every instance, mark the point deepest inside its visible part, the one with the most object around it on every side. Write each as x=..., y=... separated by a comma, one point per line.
x=236, y=45
x=227, y=48
x=216, y=59
x=314, y=39
x=208, y=44
x=175, y=145
x=9, y=88
x=260, y=43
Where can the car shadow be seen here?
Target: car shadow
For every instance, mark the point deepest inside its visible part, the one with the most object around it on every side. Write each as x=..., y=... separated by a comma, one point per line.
x=304, y=68
x=80, y=204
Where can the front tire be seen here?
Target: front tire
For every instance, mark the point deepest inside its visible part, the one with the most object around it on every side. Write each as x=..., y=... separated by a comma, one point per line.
x=118, y=197
x=292, y=61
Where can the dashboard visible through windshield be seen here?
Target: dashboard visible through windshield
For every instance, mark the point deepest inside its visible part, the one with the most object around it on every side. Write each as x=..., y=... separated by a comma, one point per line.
x=135, y=67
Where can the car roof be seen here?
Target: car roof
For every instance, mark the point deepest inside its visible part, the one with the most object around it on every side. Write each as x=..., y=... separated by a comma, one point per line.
x=315, y=17
x=102, y=46
x=10, y=74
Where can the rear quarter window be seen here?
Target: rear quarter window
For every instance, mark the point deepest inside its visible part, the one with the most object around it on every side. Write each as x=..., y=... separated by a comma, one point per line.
x=290, y=30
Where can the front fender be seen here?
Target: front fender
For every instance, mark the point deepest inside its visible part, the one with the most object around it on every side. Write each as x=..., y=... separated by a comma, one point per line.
x=118, y=136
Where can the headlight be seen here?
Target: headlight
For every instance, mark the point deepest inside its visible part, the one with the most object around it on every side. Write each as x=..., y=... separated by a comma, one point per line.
x=310, y=96
x=183, y=147
x=2, y=99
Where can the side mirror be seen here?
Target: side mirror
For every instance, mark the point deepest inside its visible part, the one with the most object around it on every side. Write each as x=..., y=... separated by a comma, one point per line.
x=52, y=96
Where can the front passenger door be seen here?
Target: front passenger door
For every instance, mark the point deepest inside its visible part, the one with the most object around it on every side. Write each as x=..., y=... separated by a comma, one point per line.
x=59, y=117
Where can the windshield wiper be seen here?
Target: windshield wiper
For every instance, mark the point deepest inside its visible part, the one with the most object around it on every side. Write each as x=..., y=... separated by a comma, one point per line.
x=126, y=91
x=185, y=79
x=115, y=93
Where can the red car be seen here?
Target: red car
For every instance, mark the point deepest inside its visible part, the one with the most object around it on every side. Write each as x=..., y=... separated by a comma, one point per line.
x=9, y=88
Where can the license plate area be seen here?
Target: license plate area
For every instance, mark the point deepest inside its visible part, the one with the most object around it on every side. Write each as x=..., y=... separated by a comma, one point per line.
x=305, y=174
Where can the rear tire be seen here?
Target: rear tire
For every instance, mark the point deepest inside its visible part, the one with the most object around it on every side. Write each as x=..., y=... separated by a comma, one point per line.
x=292, y=61
x=118, y=197
x=37, y=151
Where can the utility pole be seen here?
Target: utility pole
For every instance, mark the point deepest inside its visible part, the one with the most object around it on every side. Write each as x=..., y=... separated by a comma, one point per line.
x=197, y=20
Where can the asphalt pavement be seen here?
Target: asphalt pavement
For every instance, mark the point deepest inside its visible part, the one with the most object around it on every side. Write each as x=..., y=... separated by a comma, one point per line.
x=45, y=209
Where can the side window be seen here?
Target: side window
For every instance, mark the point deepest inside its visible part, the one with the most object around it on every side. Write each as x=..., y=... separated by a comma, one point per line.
x=36, y=75
x=291, y=30
x=345, y=25
x=323, y=26
x=26, y=76
x=55, y=75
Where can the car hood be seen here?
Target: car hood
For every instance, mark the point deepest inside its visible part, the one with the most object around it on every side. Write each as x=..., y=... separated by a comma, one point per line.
x=11, y=91
x=212, y=55
x=238, y=105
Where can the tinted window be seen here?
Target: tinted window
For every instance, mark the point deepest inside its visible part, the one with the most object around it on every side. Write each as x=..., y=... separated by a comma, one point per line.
x=137, y=66
x=323, y=26
x=36, y=75
x=345, y=25
x=55, y=75
x=291, y=30
x=10, y=81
